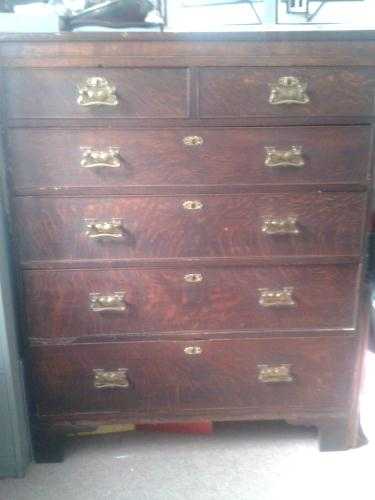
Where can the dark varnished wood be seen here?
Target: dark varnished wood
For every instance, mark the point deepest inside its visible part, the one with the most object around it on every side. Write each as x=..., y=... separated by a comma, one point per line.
x=238, y=92
x=159, y=227
x=142, y=93
x=50, y=158
x=161, y=301
x=172, y=85
x=163, y=377
x=192, y=121
x=179, y=263
x=267, y=48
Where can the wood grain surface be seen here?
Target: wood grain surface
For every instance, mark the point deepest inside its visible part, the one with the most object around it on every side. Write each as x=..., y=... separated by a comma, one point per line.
x=245, y=91
x=161, y=301
x=225, y=374
x=217, y=87
x=160, y=227
x=47, y=159
x=142, y=92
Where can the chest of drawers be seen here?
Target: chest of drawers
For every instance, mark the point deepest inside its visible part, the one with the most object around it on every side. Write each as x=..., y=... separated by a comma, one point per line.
x=190, y=216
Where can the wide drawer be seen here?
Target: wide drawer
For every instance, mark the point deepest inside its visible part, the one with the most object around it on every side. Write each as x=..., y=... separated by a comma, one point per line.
x=158, y=301
x=207, y=226
x=241, y=92
x=127, y=92
x=50, y=158
x=269, y=374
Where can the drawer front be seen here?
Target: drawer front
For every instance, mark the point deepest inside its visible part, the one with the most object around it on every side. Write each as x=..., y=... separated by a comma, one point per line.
x=241, y=92
x=129, y=92
x=278, y=374
x=203, y=226
x=156, y=301
x=48, y=158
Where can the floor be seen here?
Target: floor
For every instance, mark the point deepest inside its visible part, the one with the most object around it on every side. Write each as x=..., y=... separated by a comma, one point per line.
x=241, y=461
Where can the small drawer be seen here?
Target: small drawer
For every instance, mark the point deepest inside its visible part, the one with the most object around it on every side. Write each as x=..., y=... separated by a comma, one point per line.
x=101, y=158
x=276, y=374
x=89, y=303
x=242, y=92
x=190, y=226
x=97, y=93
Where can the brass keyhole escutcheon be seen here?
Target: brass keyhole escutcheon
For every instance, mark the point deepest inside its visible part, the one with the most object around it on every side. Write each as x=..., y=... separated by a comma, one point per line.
x=193, y=350
x=192, y=205
x=193, y=278
x=193, y=140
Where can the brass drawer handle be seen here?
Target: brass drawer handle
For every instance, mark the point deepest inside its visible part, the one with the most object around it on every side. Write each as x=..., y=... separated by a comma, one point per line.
x=288, y=90
x=276, y=226
x=275, y=373
x=97, y=91
x=193, y=140
x=280, y=158
x=192, y=205
x=117, y=379
x=276, y=298
x=105, y=230
x=193, y=278
x=114, y=302
x=97, y=158
x=193, y=350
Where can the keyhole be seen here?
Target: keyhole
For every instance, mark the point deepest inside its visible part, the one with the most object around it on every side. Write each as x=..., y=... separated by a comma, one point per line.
x=192, y=205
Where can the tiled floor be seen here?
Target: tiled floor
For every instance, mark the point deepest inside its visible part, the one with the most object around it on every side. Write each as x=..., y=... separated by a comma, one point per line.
x=248, y=461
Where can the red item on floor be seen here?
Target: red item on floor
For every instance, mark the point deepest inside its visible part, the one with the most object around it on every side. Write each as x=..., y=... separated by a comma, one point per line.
x=177, y=427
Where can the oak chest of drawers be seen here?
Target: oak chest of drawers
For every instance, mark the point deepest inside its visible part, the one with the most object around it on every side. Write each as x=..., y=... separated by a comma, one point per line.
x=189, y=216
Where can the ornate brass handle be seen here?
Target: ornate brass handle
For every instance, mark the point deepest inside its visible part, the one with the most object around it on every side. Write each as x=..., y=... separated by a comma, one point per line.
x=193, y=278
x=276, y=298
x=105, y=230
x=97, y=91
x=280, y=158
x=275, y=373
x=288, y=90
x=117, y=379
x=192, y=205
x=193, y=140
x=114, y=302
x=275, y=226
x=95, y=158
x=193, y=350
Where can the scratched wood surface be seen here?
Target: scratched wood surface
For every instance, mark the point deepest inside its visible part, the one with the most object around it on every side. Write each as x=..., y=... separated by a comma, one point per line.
x=160, y=300
x=169, y=87
x=50, y=159
x=142, y=93
x=225, y=374
x=160, y=227
x=245, y=91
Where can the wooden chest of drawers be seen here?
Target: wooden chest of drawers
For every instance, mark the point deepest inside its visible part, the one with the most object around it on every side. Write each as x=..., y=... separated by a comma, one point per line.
x=190, y=217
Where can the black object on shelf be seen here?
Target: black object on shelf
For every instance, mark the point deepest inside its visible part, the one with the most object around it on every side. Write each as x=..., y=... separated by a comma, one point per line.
x=116, y=14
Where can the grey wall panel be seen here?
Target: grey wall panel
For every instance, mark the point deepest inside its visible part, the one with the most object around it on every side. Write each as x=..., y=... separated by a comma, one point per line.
x=6, y=448
x=15, y=449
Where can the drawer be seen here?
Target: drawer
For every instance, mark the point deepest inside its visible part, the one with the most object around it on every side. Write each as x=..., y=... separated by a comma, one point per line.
x=269, y=374
x=88, y=303
x=126, y=92
x=205, y=226
x=241, y=92
x=50, y=158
